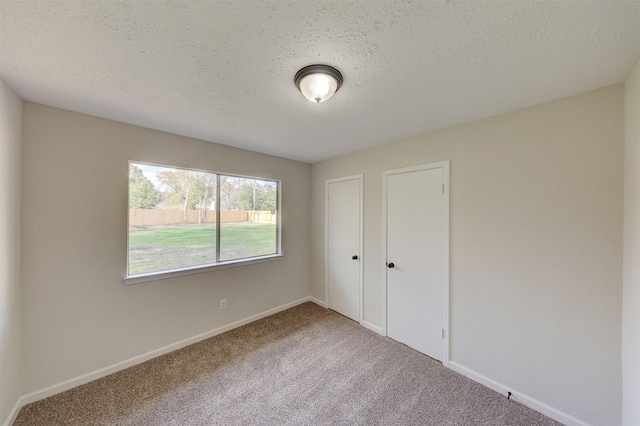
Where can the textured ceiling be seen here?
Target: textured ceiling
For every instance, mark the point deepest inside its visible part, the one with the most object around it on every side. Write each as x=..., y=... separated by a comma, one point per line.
x=223, y=71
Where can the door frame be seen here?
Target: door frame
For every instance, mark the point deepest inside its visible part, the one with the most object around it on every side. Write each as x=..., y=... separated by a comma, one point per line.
x=360, y=179
x=444, y=165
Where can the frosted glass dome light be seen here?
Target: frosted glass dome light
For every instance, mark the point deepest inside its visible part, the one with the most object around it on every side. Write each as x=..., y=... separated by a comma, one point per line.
x=318, y=83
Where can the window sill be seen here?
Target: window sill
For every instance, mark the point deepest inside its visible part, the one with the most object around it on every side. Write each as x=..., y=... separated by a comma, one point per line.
x=161, y=275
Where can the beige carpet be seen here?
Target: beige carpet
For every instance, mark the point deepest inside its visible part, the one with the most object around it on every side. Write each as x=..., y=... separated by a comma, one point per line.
x=306, y=365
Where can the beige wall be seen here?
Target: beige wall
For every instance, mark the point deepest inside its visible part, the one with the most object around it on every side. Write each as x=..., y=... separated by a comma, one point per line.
x=10, y=141
x=631, y=265
x=536, y=246
x=78, y=315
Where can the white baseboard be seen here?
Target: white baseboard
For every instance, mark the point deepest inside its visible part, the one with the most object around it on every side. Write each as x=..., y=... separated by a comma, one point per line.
x=372, y=327
x=523, y=399
x=365, y=324
x=86, y=378
x=14, y=412
x=317, y=301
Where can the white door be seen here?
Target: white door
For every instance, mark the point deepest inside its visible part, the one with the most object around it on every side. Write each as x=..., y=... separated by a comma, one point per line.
x=344, y=239
x=415, y=257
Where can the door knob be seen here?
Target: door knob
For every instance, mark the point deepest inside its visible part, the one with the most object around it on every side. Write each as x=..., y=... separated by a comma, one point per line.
x=390, y=265
x=354, y=257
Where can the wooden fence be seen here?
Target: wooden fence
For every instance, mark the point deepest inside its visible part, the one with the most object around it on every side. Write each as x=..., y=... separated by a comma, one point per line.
x=155, y=217
x=261, y=217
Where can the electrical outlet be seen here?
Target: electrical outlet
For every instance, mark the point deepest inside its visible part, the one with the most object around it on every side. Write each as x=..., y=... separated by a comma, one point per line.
x=223, y=304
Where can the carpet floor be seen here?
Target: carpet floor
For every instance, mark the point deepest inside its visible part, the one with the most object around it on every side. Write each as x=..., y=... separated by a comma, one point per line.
x=306, y=365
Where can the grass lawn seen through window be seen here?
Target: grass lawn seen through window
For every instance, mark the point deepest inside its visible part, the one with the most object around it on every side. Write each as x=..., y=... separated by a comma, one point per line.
x=160, y=248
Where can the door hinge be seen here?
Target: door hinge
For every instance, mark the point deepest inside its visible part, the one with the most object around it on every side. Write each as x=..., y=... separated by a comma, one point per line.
x=443, y=188
x=443, y=333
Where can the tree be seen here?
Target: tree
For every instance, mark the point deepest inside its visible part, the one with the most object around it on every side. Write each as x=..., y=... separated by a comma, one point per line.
x=142, y=193
x=230, y=193
x=238, y=193
x=257, y=195
x=189, y=189
x=204, y=191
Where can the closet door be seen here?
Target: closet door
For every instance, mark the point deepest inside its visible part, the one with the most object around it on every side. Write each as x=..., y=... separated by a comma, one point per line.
x=344, y=246
x=415, y=257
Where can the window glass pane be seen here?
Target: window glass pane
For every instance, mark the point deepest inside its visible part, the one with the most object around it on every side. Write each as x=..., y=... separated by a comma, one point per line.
x=248, y=217
x=172, y=218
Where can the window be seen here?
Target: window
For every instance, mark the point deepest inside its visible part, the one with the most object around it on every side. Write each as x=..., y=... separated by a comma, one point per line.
x=181, y=220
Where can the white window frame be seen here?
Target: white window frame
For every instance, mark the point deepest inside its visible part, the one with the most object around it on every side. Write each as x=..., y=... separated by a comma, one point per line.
x=198, y=269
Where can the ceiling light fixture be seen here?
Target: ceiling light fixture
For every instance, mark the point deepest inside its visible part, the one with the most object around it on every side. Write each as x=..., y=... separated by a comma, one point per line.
x=318, y=82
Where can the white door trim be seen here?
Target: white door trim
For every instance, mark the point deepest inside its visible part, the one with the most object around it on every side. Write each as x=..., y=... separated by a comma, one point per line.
x=444, y=165
x=360, y=178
